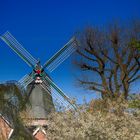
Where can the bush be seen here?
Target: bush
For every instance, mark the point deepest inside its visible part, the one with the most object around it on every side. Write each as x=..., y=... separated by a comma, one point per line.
x=97, y=123
x=134, y=101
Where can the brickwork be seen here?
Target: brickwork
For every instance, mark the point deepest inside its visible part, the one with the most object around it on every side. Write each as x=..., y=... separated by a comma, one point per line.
x=39, y=131
x=40, y=135
x=5, y=129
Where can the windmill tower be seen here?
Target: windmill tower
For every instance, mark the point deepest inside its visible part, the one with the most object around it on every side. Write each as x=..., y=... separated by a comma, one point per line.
x=40, y=87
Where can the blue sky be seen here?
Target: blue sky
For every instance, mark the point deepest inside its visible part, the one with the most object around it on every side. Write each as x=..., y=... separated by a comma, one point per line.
x=44, y=26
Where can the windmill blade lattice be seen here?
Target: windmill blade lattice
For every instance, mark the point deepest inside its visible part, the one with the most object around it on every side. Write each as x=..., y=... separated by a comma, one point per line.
x=38, y=83
x=18, y=48
x=54, y=94
x=25, y=81
x=60, y=92
x=61, y=55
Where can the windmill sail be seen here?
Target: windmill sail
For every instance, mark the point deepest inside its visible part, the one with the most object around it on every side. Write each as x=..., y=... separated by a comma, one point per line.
x=60, y=92
x=57, y=98
x=25, y=81
x=18, y=48
x=38, y=84
x=61, y=55
x=41, y=95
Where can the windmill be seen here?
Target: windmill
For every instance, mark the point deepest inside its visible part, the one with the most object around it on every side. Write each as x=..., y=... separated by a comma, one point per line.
x=39, y=85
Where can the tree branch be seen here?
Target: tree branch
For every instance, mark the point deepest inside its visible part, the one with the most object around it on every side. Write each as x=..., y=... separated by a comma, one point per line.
x=90, y=83
x=135, y=72
x=96, y=89
x=109, y=58
x=133, y=80
x=87, y=67
x=110, y=82
x=87, y=57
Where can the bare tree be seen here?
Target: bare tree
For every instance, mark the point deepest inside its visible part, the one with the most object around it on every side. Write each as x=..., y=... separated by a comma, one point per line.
x=111, y=57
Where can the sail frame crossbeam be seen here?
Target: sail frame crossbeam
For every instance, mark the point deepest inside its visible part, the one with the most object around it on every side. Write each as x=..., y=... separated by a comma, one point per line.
x=60, y=53
x=18, y=48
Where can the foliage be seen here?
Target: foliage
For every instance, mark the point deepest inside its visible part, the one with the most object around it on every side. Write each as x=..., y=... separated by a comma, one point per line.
x=95, y=123
x=134, y=101
x=100, y=120
x=12, y=102
x=115, y=105
x=135, y=43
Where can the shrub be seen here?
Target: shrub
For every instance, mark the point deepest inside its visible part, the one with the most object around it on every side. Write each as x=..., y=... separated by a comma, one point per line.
x=98, y=123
